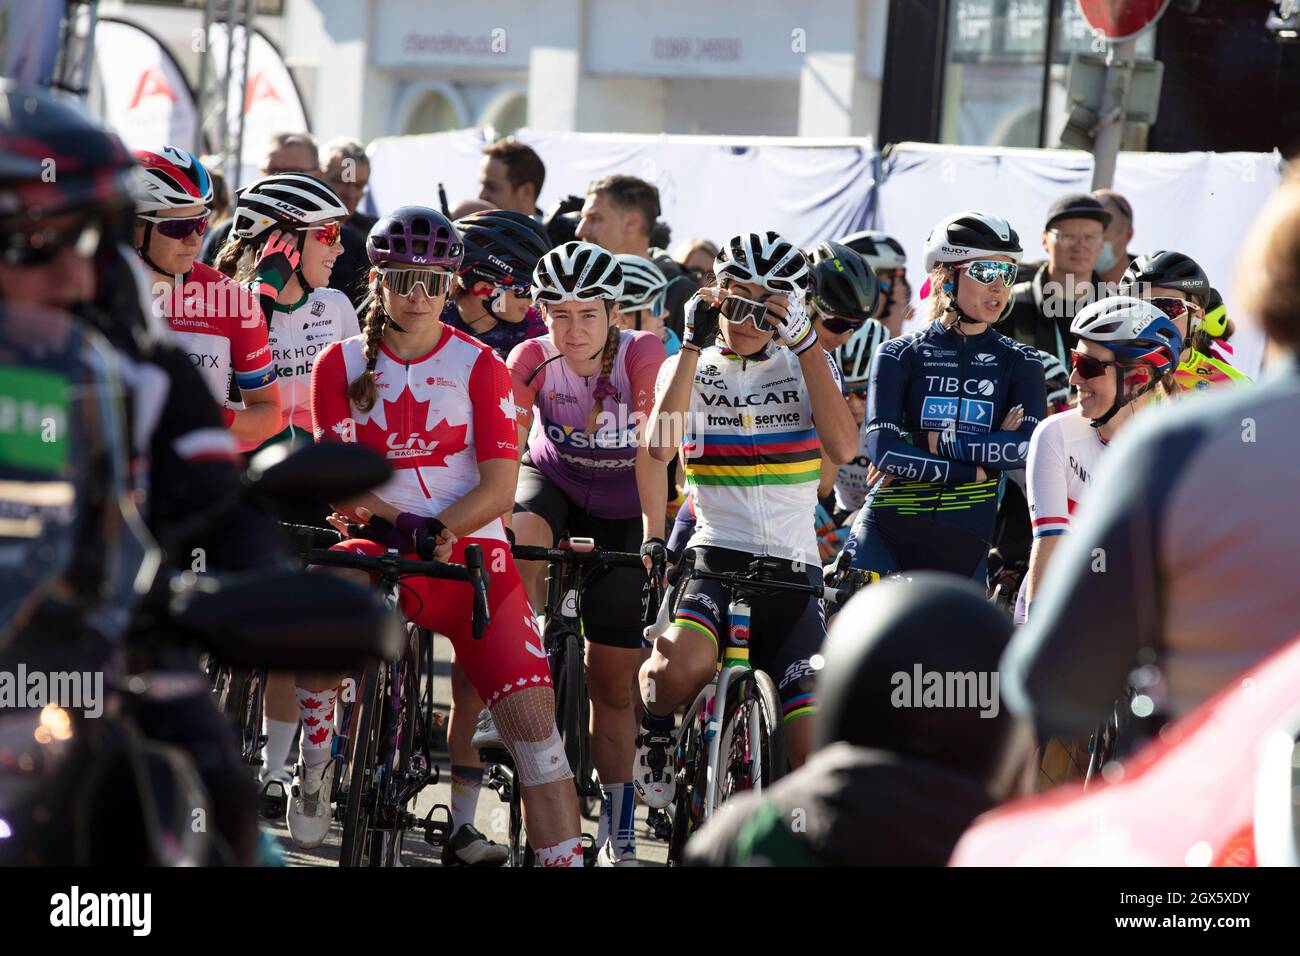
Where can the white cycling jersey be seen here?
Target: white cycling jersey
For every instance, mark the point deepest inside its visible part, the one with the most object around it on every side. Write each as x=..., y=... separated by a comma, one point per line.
x=298, y=336
x=753, y=456
x=1063, y=455
x=851, y=480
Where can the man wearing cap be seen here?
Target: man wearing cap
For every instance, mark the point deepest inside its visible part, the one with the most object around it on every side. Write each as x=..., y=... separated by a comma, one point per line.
x=1046, y=303
x=1114, y=257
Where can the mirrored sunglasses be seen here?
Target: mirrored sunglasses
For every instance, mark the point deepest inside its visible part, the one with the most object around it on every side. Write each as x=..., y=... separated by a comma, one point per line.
x=182, y=228
x=37, y=247
x=1087, y=366
x=1173, y=307
x=736, y=309
x=986, y=271
x=403, y=281
x=327, y=235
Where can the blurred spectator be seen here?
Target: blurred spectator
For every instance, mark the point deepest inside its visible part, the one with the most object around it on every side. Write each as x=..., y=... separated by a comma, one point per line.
x=1115, y=255
x=220, y=191
x=285, y=153
x=619, y=214
x=470, y=206
x=562, y=220
x=660, y=236
x=1044, y=305
x=347, y=171
x=697, y=257
x=893, y=781
x=511, y=177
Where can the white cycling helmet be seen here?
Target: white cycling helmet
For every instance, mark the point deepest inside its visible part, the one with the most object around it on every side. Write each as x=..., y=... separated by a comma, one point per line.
x=643, y=282
x=854, y=356
x=284, y=199
x=1134, y=329
x=971, y=235
x=577, y=272
x=170, y=178
x=883, y=252
x=764, y=258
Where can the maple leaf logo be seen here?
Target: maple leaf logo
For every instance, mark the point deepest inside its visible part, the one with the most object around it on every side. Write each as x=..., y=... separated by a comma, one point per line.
x=508, y=407
x=406, y=440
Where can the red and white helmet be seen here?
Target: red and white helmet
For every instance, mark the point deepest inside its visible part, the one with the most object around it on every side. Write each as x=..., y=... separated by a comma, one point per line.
x=170, y=178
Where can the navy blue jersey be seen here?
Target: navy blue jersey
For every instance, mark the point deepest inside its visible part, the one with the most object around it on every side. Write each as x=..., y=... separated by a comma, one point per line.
x=960, y=387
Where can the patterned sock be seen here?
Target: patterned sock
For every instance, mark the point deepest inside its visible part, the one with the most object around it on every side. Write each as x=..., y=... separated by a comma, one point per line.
x=316, y=709
x=566, y=853
x=279, y=738
x=465, y=785
x=621, y=799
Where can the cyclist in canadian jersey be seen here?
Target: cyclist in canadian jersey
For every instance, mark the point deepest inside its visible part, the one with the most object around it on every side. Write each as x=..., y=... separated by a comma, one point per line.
x=214, y=319
x=437, y=404
x=491, y=298
x=756, y=415
x=1178, y=286
x=1124, y=360
x=935, y=399
x=303, y=218
x=584, y=391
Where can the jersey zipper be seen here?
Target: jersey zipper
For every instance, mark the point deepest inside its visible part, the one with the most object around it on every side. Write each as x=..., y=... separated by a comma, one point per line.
x=406, y=422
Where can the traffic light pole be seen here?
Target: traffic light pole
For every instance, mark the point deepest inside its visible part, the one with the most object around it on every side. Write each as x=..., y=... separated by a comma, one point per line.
x=1110, y=126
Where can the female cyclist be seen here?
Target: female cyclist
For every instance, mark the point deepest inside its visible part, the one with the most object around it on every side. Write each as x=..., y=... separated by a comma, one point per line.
x=641, y=307
x=214, y=319
x=935, y=399
x=437, y=404
x=584, y=390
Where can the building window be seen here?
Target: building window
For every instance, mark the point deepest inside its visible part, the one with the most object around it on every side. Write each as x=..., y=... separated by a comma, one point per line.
x=433, y=114
x=997, y=76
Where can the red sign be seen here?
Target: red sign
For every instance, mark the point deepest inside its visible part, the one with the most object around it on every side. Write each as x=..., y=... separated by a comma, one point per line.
x=1121, y=19
x=152, y=83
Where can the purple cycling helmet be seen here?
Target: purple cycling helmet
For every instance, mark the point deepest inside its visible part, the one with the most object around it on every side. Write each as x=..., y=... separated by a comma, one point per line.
x=415, y=236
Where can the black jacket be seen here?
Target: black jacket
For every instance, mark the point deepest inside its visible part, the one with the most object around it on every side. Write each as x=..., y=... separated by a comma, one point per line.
x=680, y=288
x=1042, y=319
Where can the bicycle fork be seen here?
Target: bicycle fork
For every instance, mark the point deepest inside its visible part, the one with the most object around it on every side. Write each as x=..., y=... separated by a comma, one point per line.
x=735, y=656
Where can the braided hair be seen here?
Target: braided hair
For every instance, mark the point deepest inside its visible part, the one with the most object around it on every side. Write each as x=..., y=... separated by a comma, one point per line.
x=604, y=387
x=361, y=390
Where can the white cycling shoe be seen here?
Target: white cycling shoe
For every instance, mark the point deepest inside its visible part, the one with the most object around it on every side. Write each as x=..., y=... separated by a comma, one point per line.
x=486, y=736
x=606, y=857
x=652, y=771
x=308, y=814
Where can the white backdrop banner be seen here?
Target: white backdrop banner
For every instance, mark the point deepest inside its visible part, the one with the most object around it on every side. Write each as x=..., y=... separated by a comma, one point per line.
x=1197, y=203
x=141, y=93
x=709, y=187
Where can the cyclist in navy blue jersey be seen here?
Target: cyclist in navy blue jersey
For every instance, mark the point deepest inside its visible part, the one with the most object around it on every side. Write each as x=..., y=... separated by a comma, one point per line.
x=950, y=408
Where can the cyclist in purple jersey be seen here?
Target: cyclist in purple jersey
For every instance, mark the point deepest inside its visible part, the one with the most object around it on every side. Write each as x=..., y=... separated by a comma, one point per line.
x=583, y=391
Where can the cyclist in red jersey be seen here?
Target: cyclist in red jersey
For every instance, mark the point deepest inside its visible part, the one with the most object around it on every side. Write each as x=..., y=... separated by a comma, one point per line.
x=214, y=319
x=438, y=405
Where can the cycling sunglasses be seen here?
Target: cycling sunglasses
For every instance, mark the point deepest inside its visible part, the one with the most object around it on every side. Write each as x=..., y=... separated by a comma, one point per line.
x=1173, y=307
x=181, y=228
x=1087, y=366
x=403, y=281
x=887, y=278
x=985, y=271
x=742, y=309
x=859, y=392
x=327, y=235
x=40, y=247
x=835, y=324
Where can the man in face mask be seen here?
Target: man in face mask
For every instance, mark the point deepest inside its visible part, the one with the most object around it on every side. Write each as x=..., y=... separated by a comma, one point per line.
x=1114, y=257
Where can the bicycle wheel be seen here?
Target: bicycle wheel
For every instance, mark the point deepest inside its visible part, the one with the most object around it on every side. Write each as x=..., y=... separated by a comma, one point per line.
x=403, y=771
x=752, y=752
x=252, y=702
x=360, y=769
x=566, y=674
x=520, y=853
x=688, y=804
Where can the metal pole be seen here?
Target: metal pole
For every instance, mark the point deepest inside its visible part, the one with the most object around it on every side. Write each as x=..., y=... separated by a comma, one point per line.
x=231, y=14
x=201, y=91
x=1049, y=50
x=243, y=93
x=88, y=54
x=1110, y=123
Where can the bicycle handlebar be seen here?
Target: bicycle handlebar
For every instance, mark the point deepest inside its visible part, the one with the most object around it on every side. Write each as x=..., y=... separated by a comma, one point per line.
x=597, y=556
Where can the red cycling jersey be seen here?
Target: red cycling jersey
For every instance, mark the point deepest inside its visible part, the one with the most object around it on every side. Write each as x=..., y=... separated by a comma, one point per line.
x=220, y=325
x=434, y=419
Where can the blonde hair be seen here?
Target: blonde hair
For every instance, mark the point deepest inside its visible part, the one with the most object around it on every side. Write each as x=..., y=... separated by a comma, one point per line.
x=237, y=259
x=940, y=299
x=604, y=388
x=1269, y=268
x=361, y=390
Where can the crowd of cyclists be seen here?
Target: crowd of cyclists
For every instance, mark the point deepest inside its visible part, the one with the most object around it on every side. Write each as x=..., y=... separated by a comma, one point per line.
x=535, y=377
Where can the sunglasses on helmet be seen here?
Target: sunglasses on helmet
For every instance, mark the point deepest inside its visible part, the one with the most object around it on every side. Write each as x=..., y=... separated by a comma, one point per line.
x=987, y=271
x=1087, y=366
x=736, y=309
x=403, y=281
x=327, y=234
x=180, y=228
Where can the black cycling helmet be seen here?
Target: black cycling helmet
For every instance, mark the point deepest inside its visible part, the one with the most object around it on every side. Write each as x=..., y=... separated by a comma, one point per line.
x=890, y=637
x=1170, y=270
x=501, y=247
x=970, y=235
x=55, y=159
x=842, y=283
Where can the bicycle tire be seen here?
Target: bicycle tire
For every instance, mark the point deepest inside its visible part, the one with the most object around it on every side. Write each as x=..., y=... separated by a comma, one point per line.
x=566, y=675
x=409, y=686
x=753, y=689
x=252, y=704
x=690, y=773
x=516, y=838
x=364, y=746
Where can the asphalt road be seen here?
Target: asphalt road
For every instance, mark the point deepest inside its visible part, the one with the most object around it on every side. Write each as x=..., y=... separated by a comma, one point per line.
x=492, y=816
